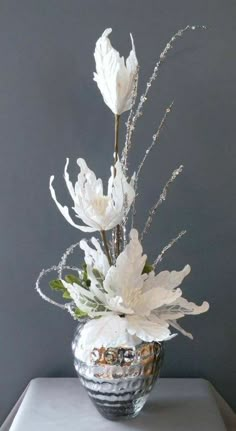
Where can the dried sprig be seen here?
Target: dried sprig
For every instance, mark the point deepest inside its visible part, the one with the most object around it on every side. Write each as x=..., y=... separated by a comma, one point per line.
x=167, y=247
x=155, y=140
x=160, y=200
x=65, y=256
x=131, y=124
x=43, y=273
x=124, y=155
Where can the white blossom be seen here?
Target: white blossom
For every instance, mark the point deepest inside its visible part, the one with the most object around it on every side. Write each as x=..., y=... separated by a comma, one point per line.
x=108, y=331
x=115, y=77
x=150, y=303
x=98, y=211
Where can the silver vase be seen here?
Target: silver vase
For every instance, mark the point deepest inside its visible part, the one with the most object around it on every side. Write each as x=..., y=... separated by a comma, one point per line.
x=118, y=379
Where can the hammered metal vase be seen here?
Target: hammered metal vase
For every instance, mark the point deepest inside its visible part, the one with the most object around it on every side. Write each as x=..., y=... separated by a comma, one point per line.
x=119, y=379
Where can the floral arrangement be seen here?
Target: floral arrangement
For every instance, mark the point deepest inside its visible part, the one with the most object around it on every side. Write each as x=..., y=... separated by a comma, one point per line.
x=117, y=290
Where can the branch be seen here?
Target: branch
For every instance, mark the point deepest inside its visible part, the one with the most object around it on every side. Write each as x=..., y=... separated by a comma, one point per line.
x=162, y=198
x=172, y=242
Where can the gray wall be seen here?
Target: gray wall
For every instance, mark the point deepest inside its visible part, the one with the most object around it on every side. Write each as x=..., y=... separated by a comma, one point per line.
x=50, y=108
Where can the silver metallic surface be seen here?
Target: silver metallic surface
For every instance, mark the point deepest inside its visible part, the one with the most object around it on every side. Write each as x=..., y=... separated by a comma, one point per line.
x=119, y=380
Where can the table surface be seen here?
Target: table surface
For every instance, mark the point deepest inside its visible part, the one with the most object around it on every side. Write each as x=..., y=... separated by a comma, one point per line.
x=59, y=404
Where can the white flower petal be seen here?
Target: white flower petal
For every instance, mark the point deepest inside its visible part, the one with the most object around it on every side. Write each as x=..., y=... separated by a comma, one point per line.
x=86, y=300
x=155, y=298
x=126, y=276
x=180, y=308
x=96, y=210
x=114, y=78
x=68, y=182
x=65, y=211
x=169, y=279
x=148, y=330
x=94, y=257
x=116, y=304
x=180, y=329
x=107, y=331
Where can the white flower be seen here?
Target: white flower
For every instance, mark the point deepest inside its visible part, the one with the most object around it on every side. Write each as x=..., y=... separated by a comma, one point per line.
x=108, y=331
x=151, y=303
x=114, y=77
x=97, y=210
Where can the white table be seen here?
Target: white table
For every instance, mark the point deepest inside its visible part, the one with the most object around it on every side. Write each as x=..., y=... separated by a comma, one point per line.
x=59, y=404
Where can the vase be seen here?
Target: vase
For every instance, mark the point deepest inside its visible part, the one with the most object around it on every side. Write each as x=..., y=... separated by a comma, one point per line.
x=118, y=379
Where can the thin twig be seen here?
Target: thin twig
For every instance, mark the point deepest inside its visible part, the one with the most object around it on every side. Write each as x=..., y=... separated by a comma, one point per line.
x=43, y=273
x=124, y=155
x=155, y=140
x=162, y=198
x=116, y=156
x=104, y=239
x=167, y=247
x=65, y=256
x=116, y=143
x=143, y=98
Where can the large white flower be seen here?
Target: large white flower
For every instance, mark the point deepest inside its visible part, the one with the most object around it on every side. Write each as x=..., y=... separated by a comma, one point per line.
x=97, y=210
x=108, y=331
x=114, y=77
x=150, y=303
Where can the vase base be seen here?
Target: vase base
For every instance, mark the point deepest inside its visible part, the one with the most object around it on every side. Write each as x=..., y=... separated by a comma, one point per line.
x=118, y=411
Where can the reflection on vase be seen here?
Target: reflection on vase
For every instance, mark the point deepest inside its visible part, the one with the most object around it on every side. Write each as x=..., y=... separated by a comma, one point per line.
x=119, y=379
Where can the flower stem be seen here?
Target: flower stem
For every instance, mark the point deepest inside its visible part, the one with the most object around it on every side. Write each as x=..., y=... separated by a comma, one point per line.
x=104, y=240
x=116, y=155
x=116, y=145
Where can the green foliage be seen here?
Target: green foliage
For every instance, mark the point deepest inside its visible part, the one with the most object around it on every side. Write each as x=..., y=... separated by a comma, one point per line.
x=71, y=278
x=147, y=268
x=56, y=285
x=59, y=286
x=66, y=295
x=79, y=313
x=82, y=281
x=99, y=276
x=86, y=280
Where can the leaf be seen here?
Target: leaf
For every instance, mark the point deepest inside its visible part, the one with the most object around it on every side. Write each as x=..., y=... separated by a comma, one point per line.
x=66, y=295
x=79, y=313
x=147, y=268
x=57, y=285
x=85, y=272
x=88, y=283
x=86, y=280
x=99, y=276
x=71, y=278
